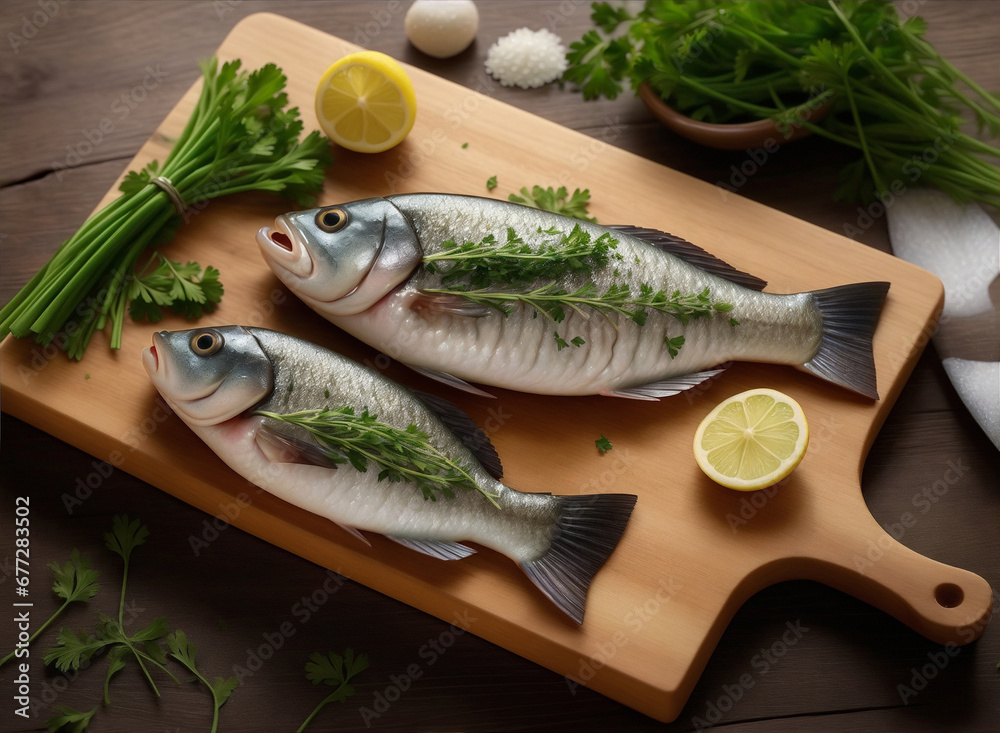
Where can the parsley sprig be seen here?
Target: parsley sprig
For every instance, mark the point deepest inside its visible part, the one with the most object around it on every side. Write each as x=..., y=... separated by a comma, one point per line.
x=337, y=671
x=558, y=201
x=73, y=581
x=184, y=652
x=74, y=649
x=184, y=288
x=400, y=455
x=240, y=137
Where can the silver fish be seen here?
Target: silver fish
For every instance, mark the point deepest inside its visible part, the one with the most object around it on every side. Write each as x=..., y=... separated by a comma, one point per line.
x=361, y=265
x=218, y=380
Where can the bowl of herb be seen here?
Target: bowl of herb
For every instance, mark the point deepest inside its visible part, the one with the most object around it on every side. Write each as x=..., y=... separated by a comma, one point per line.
x=855, y=73
x=734, y=135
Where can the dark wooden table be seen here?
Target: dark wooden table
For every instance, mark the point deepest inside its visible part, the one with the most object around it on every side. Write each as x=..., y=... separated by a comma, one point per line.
x=74, y=112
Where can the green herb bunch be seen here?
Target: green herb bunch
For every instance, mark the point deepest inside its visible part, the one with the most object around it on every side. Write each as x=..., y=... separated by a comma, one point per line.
x=894, y=99
x=400, y=455
x=240, y=137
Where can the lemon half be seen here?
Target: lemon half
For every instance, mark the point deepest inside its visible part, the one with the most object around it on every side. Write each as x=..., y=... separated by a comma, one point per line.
x=752, y=440
x=365, y=102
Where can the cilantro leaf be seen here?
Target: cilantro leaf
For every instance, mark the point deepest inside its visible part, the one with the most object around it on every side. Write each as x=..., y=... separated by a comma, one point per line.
x=184, y=288
x=491, y=183
x=335, y=670
x=184, y=652
x=603, y=444
x=558, y=201
x=69, y=720
x=597, y=66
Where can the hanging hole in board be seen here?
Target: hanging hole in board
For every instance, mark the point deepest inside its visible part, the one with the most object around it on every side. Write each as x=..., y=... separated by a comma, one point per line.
x=949, y=595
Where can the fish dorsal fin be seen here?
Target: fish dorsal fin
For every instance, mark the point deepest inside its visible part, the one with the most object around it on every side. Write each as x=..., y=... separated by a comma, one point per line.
x=450, y=379
x=441, y=549
x=693, y=255
x=471, y=435
x=665, y=388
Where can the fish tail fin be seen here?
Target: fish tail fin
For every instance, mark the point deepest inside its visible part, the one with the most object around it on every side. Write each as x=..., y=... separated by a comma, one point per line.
x=850, y=314
x=587, y=532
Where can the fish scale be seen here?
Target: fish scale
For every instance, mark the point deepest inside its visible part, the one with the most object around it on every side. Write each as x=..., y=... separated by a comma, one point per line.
x=364, y=271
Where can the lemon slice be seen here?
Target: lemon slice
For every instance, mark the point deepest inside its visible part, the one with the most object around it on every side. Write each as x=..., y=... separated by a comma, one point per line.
x=365, y=102
x=752, y=440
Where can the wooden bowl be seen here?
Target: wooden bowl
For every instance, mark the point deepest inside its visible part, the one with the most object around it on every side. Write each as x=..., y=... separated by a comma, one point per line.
x=737, y=136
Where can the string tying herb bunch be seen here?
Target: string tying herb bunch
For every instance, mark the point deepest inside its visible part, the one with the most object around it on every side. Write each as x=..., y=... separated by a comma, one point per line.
x=240, y=137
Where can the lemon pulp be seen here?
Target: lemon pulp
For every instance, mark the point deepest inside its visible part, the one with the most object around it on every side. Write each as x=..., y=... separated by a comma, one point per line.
x=365, y=102
x=752, y=440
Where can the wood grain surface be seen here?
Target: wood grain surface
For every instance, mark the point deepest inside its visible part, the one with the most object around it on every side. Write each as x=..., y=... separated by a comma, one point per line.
x=929, y=479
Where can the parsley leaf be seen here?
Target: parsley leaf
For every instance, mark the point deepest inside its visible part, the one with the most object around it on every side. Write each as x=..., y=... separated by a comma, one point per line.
x=337, y=671
x=184, y=288
x=74, y=648
x=557, y=201
x=603, y=444
x=69, y=720
x=72, y=581
x=491, y=183
x=184, y=652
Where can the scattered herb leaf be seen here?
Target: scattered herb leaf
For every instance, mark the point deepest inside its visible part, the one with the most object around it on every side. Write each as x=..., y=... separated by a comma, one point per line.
x=69, y=720
x=603, y=444
x=184, y=652
x=336, y=671
x=491, y=183
x=186, y=289
x=557, y=201
x=74, y=648
x=73, y=581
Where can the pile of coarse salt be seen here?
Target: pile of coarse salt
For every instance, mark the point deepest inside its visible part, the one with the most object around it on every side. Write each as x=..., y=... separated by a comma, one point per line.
x=527, y=58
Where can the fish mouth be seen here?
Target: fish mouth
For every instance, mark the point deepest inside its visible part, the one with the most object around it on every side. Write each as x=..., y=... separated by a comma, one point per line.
x=284, y=245
x=157, y=365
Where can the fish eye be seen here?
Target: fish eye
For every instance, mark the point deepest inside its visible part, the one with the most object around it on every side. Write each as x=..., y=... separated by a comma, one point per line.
x=331, y=220
x=206, y=343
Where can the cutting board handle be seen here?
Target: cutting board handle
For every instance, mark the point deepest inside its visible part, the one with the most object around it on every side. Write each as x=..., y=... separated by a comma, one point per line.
x=946, y=604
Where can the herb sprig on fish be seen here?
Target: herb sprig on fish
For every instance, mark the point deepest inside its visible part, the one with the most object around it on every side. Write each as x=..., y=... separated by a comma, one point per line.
x=485, y=265
x=515, y=263
x=400, y=455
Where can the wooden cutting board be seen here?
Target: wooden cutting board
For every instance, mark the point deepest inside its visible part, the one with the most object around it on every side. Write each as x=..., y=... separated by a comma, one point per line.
x=693, y=551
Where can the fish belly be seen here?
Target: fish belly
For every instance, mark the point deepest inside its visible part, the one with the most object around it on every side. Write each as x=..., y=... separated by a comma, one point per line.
x=521, y=351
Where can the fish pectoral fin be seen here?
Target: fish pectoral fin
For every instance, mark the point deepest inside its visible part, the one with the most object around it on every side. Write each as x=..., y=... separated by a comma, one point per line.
x=354, y=532
x=280, y=448
x=451, y=380
x=440, y=549
x=454, y=305
x=471, y=435
x=663, y=388
x=693, y=255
